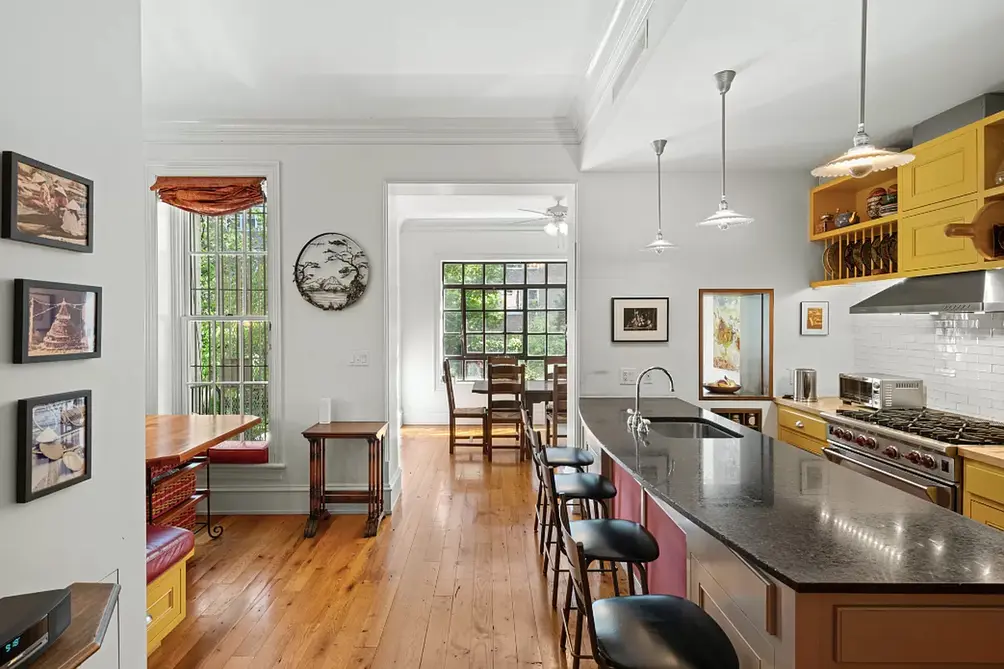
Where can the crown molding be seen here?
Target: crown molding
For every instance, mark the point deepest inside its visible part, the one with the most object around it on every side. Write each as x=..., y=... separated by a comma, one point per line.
x=597, y=89
x=473, y=225
x=559, y=131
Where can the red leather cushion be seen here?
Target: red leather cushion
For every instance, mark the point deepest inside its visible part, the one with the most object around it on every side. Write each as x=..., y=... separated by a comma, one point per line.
x=239, y=453
x=165, y=546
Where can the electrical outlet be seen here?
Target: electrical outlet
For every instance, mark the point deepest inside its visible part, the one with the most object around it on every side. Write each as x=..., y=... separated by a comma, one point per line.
x=628, y=376
x=360, y=359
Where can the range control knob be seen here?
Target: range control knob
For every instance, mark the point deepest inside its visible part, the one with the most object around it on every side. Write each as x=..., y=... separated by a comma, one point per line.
x=861, y=440
x=891, y=452
x=913, y=456
x=928, y=461
x=871, y=443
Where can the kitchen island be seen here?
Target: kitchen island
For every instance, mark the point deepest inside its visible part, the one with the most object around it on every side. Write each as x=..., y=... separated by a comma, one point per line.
x=804, y=564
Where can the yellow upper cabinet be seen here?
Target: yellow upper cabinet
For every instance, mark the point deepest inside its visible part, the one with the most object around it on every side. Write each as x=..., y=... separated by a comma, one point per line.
x=944, y=169
x=923, y=244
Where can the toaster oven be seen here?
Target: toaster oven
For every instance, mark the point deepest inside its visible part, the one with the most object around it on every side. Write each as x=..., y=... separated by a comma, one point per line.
x=882, y=391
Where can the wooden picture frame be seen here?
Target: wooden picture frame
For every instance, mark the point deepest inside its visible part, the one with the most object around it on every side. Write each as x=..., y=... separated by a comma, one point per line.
x=814, y=319
x=41, y=204
x=78, y=321
x=651, y=314
x=66, y=417
x=768, y=384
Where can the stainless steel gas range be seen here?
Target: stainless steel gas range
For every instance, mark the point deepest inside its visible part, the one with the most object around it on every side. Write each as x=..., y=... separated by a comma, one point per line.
x=913, y=449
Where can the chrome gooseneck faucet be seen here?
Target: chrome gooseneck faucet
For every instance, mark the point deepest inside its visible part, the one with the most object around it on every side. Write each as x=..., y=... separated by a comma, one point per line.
x=636, y=422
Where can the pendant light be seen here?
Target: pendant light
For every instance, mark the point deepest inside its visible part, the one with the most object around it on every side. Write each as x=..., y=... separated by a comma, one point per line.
x=659, y=244
x=725, y=217
x=863, y=158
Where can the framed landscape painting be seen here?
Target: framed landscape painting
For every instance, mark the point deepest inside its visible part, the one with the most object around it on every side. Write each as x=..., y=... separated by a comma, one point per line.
x=56, y=321
x=42, y=204
x=639, y=319
x=53, y=444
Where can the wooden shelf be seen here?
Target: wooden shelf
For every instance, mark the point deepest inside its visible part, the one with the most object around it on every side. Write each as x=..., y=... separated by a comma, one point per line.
x=177, y=509
x=873, y=223
x=860, y=279
x=995, y=193
x=91, y=607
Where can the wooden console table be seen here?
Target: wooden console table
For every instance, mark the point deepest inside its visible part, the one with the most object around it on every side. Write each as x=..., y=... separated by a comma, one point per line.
x=374, y=434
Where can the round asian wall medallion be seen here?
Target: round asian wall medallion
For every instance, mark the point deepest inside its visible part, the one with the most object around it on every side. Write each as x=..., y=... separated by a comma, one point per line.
x=331, y=271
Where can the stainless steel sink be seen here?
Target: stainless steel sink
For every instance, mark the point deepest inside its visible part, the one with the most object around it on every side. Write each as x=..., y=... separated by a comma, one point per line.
x=676, y=428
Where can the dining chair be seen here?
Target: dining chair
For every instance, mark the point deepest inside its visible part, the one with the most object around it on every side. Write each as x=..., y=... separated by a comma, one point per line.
x=479, y=414
x=502, y=360
x=556, y=411
x=506, y=390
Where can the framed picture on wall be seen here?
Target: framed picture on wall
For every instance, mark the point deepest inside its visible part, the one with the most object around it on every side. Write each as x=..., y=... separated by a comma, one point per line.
x=53, y=443
x=815, y=318
x=42, y=204
x=56, y=321
x=639, y=319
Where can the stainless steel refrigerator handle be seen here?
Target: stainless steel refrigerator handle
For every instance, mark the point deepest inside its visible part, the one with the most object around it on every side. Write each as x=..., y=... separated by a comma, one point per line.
x=836, y=458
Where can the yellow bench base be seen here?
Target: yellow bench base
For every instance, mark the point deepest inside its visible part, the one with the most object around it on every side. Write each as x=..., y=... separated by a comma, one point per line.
x=165, y=603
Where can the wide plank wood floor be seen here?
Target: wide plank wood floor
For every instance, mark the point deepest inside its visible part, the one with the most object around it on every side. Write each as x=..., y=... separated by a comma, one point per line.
x=452, y=581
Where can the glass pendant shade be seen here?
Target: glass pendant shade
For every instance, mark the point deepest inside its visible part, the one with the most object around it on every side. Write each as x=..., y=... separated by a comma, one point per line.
x=725, y=217
x=864, y=157
x=659, y=244
x=551, y=228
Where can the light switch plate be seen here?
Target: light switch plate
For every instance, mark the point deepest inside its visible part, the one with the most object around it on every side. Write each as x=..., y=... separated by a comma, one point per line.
x=360, y=359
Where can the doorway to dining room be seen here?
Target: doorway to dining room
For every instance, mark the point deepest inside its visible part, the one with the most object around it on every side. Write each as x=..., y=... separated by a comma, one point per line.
x=475, y=271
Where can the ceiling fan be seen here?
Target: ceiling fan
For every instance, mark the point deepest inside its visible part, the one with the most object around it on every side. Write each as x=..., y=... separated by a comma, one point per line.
x=555, y=215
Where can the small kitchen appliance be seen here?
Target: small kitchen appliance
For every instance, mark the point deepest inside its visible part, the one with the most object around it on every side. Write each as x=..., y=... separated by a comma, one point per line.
x=882, y=391
x=30, y=623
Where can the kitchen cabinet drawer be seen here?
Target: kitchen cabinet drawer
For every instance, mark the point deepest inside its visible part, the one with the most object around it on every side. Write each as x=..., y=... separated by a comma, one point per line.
x=802, y=441
x=923, y=244
x=983, y=512
x=801, y=423
x=983, y=480
x=942, y=170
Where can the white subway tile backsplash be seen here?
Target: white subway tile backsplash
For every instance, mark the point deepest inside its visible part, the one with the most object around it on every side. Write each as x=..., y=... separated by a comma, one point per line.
x=959, y=356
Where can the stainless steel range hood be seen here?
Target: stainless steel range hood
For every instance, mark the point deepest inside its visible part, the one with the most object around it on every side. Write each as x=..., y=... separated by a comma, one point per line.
x=966, y=292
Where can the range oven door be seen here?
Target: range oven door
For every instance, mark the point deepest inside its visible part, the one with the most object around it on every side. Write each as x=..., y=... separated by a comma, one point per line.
x=939, y=492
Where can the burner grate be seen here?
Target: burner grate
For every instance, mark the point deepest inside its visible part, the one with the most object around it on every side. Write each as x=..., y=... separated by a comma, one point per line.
x=940, y=426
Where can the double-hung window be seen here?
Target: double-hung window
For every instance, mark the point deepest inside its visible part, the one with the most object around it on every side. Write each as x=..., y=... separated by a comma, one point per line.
x=511, y=308
x=225, y=316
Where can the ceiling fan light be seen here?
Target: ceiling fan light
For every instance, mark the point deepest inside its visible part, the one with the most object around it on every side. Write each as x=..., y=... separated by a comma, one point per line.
x=551, y=228
x=563, y=228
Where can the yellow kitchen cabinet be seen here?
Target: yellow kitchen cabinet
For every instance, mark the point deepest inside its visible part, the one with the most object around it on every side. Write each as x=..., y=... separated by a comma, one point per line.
x=924, y=245
x=983, y=493
x=943, y=169
x=803, y=430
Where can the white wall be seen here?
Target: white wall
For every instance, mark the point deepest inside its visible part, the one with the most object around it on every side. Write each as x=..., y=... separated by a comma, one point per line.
x=342, y=188
x=617, y=214
x=423, y=396
x=960, y=357
x=72, y=98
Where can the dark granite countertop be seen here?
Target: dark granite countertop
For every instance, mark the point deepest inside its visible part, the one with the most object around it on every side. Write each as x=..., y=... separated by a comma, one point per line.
x=813, y=525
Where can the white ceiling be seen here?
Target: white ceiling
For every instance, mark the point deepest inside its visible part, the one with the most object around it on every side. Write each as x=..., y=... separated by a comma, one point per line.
x=354, y=59
x=794, y=101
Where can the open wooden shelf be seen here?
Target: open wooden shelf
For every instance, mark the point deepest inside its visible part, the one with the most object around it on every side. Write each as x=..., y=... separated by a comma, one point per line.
x=91, y=607
x=860, y=279
x=873, y=223
x=995, y=193
x=177, y=509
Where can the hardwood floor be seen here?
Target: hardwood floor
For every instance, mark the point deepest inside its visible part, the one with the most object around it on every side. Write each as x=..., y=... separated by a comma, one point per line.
x=453, y=579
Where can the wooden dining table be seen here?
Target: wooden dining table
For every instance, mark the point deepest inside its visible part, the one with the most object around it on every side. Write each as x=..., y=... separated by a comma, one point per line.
x=178, y=445
x=536, y=392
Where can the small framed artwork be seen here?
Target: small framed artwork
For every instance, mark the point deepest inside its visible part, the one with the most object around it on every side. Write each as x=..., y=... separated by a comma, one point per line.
x=639, y=319
x=53, y=443
x=56, y=321
x=815, y=318
x=42, y=204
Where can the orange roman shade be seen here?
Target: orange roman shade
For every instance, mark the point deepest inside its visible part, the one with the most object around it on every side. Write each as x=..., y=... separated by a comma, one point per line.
x=210, y=196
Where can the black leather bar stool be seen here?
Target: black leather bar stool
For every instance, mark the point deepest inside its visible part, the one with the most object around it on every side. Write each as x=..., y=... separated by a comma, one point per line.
x=641, y=631
x=573, y=458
